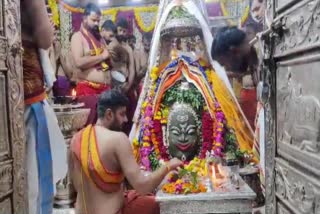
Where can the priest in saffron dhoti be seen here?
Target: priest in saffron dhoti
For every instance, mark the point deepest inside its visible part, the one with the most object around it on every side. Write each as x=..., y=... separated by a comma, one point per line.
x=187, y=108
x=91, y=57
x=101, y=158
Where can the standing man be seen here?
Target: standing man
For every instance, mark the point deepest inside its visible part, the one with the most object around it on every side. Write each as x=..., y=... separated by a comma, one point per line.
x=108, y=31
x=122, y=37
x=66, y=74
x=120, y=57
x=101, y=158
x=233, y=43
x=90, y=56
x=132, y=41
x=46, y=150
x=141, y=57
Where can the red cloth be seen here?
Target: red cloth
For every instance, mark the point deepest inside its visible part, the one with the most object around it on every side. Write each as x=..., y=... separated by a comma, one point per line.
x=88, y=95
x=85, y=88
x=140, y=204
x=248, y=103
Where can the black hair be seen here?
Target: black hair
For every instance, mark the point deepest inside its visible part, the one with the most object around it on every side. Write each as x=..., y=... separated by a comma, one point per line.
x=123, y=23
x=111, y=99
x=132, y=37
x=226, y=38
x=91, y=7
x=147, y=36
x=108, y=25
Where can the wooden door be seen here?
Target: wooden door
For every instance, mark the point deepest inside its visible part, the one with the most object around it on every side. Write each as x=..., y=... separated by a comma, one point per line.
x=292, y=71
x=12, y=144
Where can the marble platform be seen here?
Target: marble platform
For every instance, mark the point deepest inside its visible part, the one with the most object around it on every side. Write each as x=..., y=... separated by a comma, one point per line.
x=236, y=201
x=63, y=211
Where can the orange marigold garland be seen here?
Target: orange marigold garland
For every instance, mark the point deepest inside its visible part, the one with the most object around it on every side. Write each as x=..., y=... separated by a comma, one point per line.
x=186, y=181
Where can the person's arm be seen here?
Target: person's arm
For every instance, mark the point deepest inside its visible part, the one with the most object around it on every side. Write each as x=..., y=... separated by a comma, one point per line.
x=136, y=60
x=52, y=57
x=66, y=65
x=131, y=70
x=131, y=170
x=42, y=28
x=81, y=61
x=48, y=69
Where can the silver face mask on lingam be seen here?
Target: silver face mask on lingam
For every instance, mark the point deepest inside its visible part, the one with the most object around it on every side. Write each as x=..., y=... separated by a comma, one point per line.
x=183, y=132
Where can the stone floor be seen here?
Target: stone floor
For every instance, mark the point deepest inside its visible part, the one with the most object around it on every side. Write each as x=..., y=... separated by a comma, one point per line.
x=71, y=211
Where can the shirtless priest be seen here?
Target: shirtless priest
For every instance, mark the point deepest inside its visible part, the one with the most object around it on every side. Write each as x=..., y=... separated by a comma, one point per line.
x=101, y=158
x=91, y=56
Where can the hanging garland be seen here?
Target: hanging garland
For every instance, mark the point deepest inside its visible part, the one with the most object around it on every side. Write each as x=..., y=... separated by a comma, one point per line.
x=55, y=12
x=65, y=30
x=112, y=12
x=137, y=14
x=225, y=12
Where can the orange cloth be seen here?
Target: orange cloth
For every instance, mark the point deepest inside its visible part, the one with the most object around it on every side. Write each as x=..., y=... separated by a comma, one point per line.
x=140, y=204
x=84, y=145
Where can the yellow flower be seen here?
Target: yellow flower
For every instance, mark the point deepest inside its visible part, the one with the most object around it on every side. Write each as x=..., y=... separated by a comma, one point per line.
x=144, y=104
x=139, y=19
x=154, y=73
x=164, y=121
x=165, y=112
x=157, y=151
x=153, y=77
x=146, y=138
x=135, y=142
x=179, y=181
x=158, y=116
x=146, y=144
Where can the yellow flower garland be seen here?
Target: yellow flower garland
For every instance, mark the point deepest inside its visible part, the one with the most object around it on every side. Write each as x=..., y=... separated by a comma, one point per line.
x=111, y=12
x=139, y=20
x=225, y=12
x=114, y=11
x=55, y=11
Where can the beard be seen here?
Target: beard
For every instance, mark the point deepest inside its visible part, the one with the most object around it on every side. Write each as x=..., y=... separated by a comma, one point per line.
x=116, y=126
x=108, y=41
x=95, y=32
x=122, y=38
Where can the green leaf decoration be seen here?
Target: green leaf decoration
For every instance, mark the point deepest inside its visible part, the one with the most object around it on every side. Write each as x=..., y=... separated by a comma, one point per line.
x=192, y=97
x=154, y=161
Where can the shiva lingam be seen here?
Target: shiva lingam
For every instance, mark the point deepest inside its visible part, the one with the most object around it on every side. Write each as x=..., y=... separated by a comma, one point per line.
x=71, y=118
x=186, y=110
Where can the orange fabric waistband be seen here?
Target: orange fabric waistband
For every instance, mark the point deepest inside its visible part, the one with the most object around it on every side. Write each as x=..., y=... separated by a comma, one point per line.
x=35, y=99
